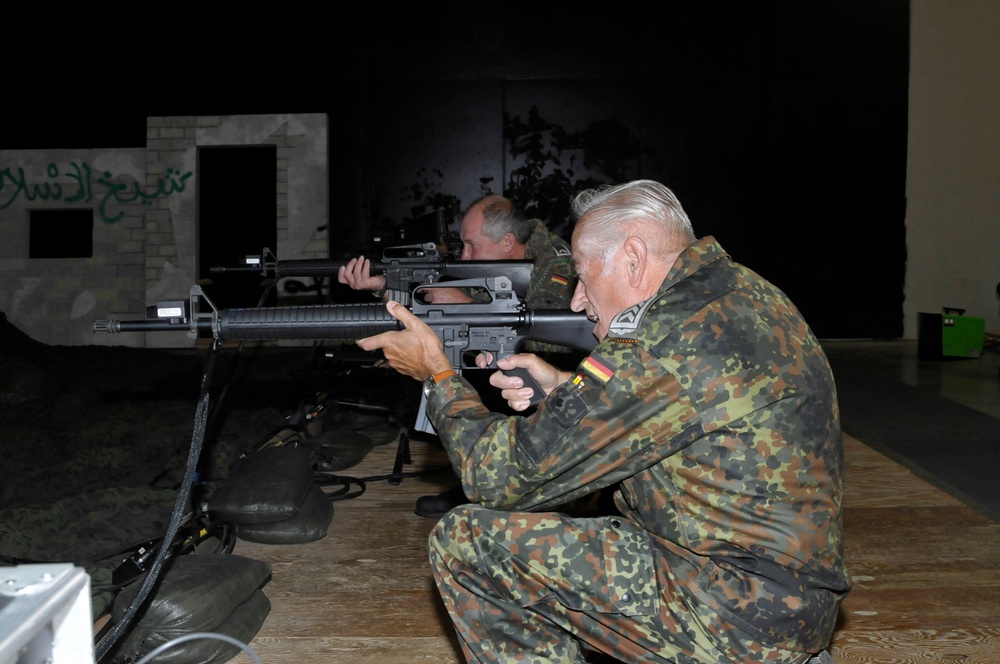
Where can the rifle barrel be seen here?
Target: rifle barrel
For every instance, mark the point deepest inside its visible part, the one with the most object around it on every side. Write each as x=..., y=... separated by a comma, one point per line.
x=306, y=267
x=146, y=325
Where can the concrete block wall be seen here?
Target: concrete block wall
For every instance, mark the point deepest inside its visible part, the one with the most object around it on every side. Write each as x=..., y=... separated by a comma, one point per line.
x=54, y=300
x=145, y=242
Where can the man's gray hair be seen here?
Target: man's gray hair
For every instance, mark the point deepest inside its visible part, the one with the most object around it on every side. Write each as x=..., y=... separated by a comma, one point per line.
x=610, y=209
x=501, y=216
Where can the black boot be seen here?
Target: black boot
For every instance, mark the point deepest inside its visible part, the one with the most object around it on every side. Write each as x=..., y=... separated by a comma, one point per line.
x=434, y=507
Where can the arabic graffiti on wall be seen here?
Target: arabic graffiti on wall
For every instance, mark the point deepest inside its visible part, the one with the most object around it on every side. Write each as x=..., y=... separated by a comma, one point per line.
x=84, y=189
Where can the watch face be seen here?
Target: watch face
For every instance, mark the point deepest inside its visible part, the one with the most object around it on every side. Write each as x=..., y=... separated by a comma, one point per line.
x=428, y=384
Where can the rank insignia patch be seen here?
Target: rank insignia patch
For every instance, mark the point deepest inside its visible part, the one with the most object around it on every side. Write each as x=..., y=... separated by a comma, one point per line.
x=598, y=369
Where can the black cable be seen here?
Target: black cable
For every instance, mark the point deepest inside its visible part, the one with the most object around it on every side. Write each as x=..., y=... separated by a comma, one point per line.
x=413, y=473
x=180, y=506
x=345, y=491
x=83, y=562
x=151, y=655
x=238, y=354
x=228, y=540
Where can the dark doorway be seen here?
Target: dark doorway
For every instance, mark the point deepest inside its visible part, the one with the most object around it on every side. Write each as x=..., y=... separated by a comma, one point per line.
x=237, y=205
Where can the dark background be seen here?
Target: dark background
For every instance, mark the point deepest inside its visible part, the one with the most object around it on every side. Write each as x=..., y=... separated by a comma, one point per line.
x=782, y=125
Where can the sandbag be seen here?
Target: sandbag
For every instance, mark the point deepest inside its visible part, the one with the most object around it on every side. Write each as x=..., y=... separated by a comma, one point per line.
x=338, y=449
x=379, y=428
x=195, y=593
x=310, y=523
x=268, y=485
x=242, y=624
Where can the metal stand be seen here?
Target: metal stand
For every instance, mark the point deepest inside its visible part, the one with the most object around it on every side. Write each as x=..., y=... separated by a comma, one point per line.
x=402, y=458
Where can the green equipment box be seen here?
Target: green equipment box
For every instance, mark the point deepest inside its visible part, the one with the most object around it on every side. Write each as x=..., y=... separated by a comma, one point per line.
x=949, y=334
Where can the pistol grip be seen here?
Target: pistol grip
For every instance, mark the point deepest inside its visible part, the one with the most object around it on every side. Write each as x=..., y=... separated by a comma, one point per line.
x=529, y=381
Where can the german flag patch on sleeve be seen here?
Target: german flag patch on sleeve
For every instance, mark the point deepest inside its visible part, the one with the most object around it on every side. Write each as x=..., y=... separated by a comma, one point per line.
x=598, y=368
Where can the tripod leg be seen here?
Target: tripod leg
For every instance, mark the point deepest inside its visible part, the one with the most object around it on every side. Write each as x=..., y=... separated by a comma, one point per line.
x=402, y=457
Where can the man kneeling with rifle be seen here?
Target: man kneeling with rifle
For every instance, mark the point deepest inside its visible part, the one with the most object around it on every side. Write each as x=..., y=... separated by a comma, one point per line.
x=708, y=399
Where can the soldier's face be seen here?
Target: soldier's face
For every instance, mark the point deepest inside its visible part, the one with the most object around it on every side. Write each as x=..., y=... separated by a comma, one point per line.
x=476, y=245
x=601, y=287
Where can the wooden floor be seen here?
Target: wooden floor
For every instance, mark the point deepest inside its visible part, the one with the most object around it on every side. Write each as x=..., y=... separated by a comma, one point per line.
x=926, y=574
x=364, y=594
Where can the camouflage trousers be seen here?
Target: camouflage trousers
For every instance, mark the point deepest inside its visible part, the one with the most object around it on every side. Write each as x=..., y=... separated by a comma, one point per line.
x=545, y=587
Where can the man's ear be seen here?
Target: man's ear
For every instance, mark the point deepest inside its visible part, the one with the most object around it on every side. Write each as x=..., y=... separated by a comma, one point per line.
x=508, y=241
x=634, y=251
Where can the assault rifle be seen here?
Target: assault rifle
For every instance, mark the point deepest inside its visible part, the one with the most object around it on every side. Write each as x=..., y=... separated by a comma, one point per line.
x=500, y=326
x=404, y=267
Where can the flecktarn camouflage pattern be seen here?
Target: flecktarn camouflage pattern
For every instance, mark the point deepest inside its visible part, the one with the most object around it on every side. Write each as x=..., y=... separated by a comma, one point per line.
x=713, y=407
x=553, y=279
x=553, y=275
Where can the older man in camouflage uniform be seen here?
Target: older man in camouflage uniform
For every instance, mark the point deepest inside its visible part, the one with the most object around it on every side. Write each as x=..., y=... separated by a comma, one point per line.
x=709, y=400
x=495, y=229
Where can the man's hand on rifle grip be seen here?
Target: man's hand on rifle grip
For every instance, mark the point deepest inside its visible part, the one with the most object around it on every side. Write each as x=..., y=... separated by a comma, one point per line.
x=524, y=379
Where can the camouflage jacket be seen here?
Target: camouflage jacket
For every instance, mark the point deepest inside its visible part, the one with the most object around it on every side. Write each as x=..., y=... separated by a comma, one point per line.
x=715, y=407
x=553, y=276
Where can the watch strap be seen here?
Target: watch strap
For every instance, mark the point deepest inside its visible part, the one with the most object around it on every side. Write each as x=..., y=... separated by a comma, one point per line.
x=441, y=375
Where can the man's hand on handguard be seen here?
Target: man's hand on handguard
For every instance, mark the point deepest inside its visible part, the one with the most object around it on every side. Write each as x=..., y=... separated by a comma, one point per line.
x=415, y=351
x=357, y=275
x=512, y=388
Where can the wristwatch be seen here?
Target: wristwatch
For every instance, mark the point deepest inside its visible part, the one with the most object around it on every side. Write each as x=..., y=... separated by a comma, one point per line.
x=435, y=379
